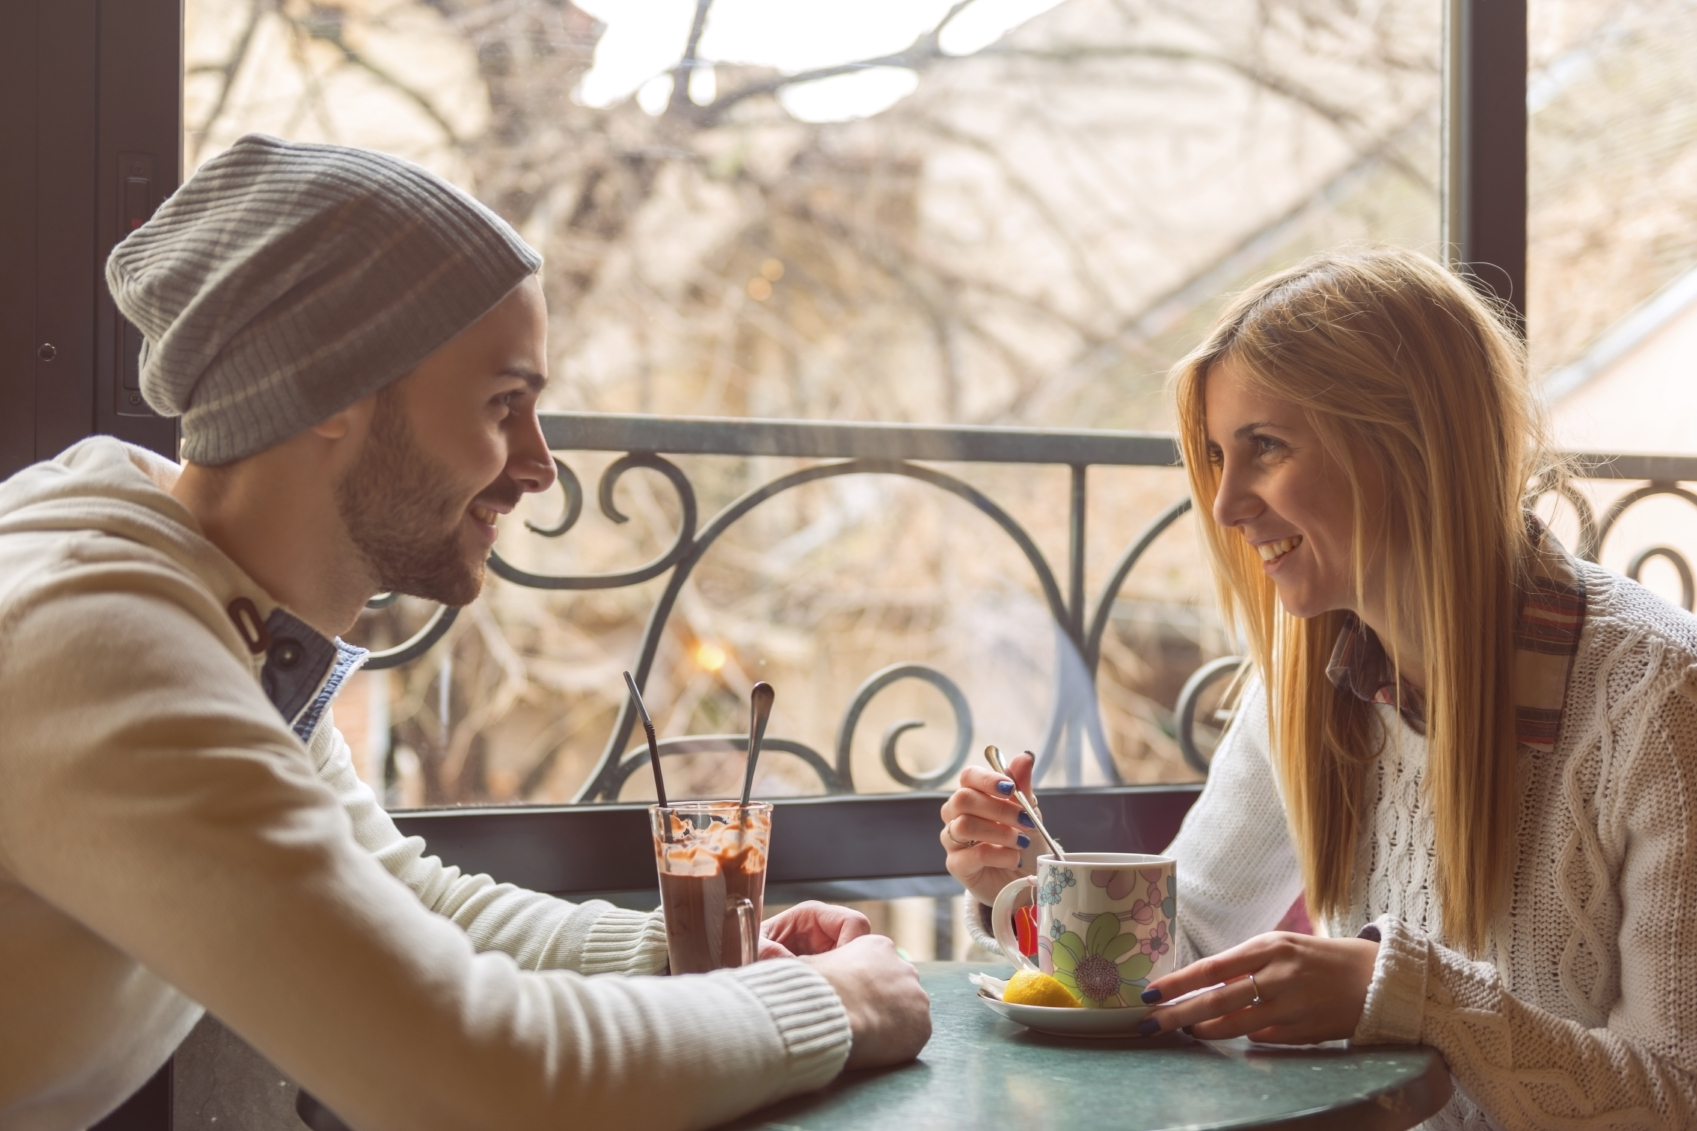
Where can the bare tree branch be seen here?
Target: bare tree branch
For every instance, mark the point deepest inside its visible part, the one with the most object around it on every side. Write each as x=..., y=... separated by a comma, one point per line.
x=229, y=69
x=915, y=56
x=1027, y=192
x=1340, y=116
x=333, y=36
x=680, y=100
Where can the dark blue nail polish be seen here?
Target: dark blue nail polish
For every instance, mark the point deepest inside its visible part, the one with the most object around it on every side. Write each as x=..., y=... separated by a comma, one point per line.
x=1024, y=841
x=1004, y=787
x=1151, y=996
x=1148, y=1027
x=1025, y=819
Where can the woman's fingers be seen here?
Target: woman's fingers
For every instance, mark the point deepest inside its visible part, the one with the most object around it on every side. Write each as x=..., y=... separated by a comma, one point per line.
x=1209, y=1006
x=1246, y=1022
x=965, y=863
x=972, y=802
x=1019, y=768
x=988, y=782
x=966, y=830
x=1226, y=966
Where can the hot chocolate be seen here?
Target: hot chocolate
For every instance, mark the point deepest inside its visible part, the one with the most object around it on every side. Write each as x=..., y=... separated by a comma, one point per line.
x=711, y=857
x=703, y=930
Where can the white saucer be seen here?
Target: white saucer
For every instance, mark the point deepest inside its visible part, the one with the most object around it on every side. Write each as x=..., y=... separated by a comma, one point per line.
x=1079, y=1022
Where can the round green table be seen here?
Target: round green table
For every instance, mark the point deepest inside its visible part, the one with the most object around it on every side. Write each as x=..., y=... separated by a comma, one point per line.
x=980, y=1071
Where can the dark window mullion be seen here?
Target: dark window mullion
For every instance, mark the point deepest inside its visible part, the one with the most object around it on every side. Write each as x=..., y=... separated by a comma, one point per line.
x=1485, y=144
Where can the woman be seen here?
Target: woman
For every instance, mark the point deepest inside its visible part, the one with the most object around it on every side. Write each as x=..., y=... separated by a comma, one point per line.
x=1474, y=753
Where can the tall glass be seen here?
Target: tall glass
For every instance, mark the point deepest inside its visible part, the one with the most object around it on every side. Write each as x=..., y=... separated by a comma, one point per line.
x=711, y=857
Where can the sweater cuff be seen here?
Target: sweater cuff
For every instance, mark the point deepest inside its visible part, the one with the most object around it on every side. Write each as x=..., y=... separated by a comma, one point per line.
x=625, y=942
x=1396, y=998
x=978, y=927
x=809, y=1016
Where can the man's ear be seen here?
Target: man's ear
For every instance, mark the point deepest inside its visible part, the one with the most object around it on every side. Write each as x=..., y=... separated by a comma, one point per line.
x=351, y=421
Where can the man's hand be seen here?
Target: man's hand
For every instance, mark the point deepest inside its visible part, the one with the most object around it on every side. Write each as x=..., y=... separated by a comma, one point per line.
x=888, y=1011
x=810, y=928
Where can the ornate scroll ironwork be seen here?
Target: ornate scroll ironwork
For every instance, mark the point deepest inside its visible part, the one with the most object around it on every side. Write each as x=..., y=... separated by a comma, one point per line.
x=1074, y=724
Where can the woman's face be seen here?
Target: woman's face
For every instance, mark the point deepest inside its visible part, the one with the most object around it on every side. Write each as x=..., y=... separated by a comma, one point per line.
x=1281, y=491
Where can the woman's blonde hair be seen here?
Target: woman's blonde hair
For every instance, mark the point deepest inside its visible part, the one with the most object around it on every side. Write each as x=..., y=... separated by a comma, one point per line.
x=1417, y=388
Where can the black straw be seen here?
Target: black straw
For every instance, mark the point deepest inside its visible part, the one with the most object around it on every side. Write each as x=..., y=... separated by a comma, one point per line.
x=653, y=743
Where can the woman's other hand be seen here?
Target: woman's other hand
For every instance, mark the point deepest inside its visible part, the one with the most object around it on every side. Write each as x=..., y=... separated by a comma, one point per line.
x=1311, y=989
x=985, y=833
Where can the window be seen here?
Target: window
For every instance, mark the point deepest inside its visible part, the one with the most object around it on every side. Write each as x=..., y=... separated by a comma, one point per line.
x=1612, y=256
x=1015, y=215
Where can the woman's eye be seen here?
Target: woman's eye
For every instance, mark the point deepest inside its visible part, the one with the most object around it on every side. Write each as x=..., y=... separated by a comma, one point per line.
x=1266, y=445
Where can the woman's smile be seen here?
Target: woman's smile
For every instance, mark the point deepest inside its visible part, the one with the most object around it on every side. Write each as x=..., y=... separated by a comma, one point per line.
x=1274, y=551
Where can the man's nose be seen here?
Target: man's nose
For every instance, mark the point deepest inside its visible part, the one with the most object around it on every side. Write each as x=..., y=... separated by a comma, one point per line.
x=530, y=463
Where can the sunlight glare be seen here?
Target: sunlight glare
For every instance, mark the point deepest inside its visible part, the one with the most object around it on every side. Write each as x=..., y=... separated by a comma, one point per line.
x=859, y=94
x=709, y=657
x=986, y=21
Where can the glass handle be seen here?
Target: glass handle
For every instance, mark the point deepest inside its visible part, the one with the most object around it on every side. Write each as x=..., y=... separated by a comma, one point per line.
x=748, y=924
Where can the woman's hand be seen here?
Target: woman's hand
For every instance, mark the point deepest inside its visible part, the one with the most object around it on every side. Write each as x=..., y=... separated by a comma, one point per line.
x=985, y=833
x=1311, y=990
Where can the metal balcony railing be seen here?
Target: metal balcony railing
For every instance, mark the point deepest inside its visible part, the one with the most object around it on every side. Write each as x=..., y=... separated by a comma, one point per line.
x=1074, y=729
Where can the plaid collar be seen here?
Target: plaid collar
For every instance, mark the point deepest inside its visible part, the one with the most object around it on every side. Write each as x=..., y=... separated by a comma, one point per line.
x=1546, y=638
x=1360, y=666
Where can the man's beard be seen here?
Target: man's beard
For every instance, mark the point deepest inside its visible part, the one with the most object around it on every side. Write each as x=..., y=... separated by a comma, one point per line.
x=405, y=514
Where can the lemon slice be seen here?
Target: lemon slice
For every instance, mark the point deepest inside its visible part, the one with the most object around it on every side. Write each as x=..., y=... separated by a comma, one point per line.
x=1032, y=987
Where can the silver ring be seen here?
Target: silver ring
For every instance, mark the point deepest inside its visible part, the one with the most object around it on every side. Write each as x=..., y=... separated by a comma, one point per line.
x=1257, y=990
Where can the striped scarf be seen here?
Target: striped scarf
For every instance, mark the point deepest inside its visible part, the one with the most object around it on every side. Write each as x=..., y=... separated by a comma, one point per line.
x=1546, y=638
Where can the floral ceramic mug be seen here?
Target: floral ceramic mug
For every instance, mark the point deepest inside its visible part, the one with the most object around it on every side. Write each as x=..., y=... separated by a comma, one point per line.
x=1105, y=923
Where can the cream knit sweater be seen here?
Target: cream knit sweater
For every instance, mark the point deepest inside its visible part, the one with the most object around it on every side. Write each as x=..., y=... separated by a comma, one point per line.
x=166, y=843
x=1584, y=1014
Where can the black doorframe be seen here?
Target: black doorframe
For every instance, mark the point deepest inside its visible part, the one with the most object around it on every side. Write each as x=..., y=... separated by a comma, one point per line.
x=91, y=137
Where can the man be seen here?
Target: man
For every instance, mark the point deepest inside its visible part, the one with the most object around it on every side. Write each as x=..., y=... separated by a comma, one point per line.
x=356, y=350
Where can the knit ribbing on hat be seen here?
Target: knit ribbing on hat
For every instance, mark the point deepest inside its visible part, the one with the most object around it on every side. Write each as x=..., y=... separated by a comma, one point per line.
x=286, y=281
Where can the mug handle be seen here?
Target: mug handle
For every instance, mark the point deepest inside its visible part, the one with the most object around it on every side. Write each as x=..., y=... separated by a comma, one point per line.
x=1001, y=919
x=748, y=927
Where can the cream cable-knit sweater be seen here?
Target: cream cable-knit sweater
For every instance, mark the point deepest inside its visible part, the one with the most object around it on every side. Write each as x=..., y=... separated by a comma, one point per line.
x=166, y=843
x=1584, y=1013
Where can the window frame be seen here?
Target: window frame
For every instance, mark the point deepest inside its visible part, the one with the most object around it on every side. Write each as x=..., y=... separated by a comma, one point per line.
x=116, y=87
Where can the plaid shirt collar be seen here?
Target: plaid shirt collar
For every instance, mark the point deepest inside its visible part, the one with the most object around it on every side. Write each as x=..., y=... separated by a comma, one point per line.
x=1546, y=638
x=1361, y=666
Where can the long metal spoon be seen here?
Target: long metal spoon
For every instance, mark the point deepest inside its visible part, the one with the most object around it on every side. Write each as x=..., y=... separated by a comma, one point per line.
x=994, y=757
x=653, y=743
x=760, y=709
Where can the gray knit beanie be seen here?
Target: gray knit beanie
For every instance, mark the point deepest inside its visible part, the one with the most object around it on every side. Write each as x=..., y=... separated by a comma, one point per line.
x=284, y=282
